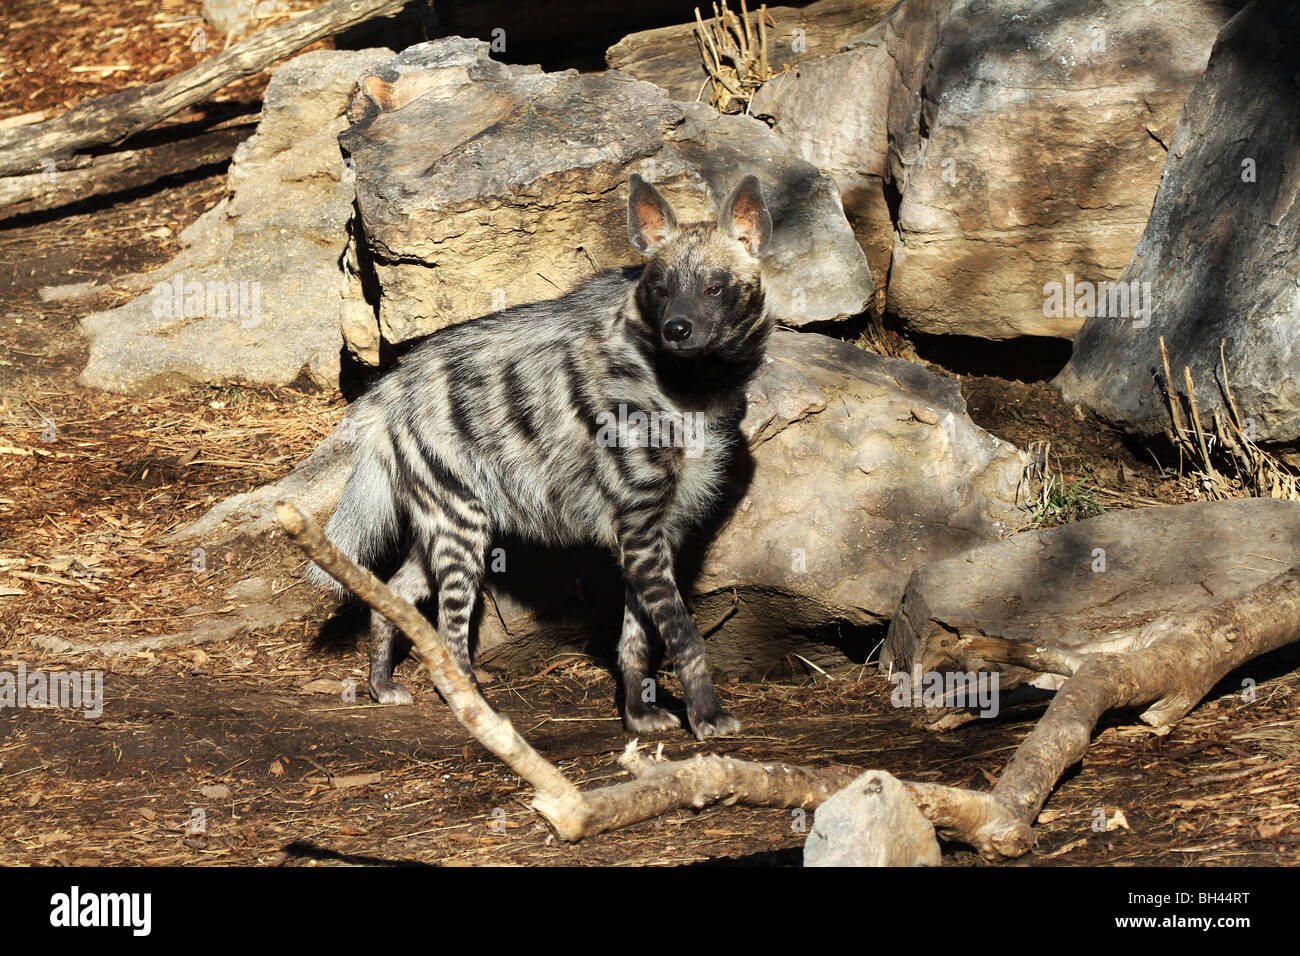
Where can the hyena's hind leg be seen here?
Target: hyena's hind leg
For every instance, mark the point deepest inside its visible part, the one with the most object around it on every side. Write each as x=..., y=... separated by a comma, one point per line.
x=641, y=713
x=458, y=550
x=411, y=582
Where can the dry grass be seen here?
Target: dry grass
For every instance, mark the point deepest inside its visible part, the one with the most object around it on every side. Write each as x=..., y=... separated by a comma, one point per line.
x=1222, y=460
x=1053, y=497
x=735, y=55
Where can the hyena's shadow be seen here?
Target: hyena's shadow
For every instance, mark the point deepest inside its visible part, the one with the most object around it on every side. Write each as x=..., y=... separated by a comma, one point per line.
x=544, y=600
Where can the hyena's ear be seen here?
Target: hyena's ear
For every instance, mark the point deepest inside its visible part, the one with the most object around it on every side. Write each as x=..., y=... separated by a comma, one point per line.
x=650, y=217
x=745, y=216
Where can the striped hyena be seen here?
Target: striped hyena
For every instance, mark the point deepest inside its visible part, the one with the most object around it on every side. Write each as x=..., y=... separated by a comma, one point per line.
x=604, y=416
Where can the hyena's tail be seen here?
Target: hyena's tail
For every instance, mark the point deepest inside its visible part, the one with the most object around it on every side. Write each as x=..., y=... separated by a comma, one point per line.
x=364, y=526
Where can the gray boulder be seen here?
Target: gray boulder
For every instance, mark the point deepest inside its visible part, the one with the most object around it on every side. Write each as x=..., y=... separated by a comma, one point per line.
x=841, y=111
x=1218, y=257
x=482, y=185
x=1037, y=157
x=1022, y=143
x=259, y=289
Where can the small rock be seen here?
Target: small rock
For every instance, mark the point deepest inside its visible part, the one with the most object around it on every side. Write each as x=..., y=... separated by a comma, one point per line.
x=323, y=685
x=871, y=822
x=75, y=292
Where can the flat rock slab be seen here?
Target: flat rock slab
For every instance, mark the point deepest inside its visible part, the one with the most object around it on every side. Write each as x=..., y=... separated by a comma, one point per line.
x=482, y=185
x=1075, y=586
x=1218, y=257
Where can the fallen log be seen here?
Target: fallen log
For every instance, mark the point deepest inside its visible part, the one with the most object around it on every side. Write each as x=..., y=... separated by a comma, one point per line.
x=110, y=119
x=118, y=171
x=1182, y=656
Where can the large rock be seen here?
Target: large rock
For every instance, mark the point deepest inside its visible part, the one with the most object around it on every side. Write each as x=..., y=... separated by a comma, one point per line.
x=258, y=292
x=841, y=111
x=1037, y=155
x=482, y=185
x=985, y=150
x=1219, y=253
x=860, y=468
x=1078, y=586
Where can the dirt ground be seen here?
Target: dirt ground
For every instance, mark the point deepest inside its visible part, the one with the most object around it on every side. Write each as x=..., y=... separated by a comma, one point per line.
x=245, y=752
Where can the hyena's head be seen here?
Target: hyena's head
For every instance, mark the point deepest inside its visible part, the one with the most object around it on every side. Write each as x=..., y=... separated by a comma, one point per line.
x=701, y=293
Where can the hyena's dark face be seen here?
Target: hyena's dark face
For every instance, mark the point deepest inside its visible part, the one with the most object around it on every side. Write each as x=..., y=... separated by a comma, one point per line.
x=702, y=289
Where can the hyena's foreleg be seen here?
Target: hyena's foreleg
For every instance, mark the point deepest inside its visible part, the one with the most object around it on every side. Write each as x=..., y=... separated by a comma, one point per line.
x=648, y=570
x=411, y=582
x=641, y=714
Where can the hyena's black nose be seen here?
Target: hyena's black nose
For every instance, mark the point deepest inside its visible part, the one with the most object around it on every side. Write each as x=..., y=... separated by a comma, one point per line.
x=677, y=330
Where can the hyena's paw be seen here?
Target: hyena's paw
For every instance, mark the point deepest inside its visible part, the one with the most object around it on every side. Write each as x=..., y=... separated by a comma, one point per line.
x=650, y=720
x=390, y=692
x=720, y=723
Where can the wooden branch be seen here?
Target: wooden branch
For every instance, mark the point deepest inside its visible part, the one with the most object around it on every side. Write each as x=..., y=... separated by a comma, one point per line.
x=1184, y=656
x=126, y=169
x=662, y=786
x=564, y=806
x=1000, y=650
x=111, y=119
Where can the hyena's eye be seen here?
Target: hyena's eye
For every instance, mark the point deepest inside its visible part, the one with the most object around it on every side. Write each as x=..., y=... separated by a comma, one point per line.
x=713, y=290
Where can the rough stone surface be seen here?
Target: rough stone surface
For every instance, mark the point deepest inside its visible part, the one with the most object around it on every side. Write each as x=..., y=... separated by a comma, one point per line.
x=482, y=185
x=871, y=822
x=859, y=468
x=841, y=110
x=1038, y=155
x=261, y=288
x=984, y=150
x=1075, y=585
x=1219, y=252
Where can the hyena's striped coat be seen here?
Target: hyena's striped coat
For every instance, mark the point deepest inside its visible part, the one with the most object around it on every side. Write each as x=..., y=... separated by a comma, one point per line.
x=502, y=425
